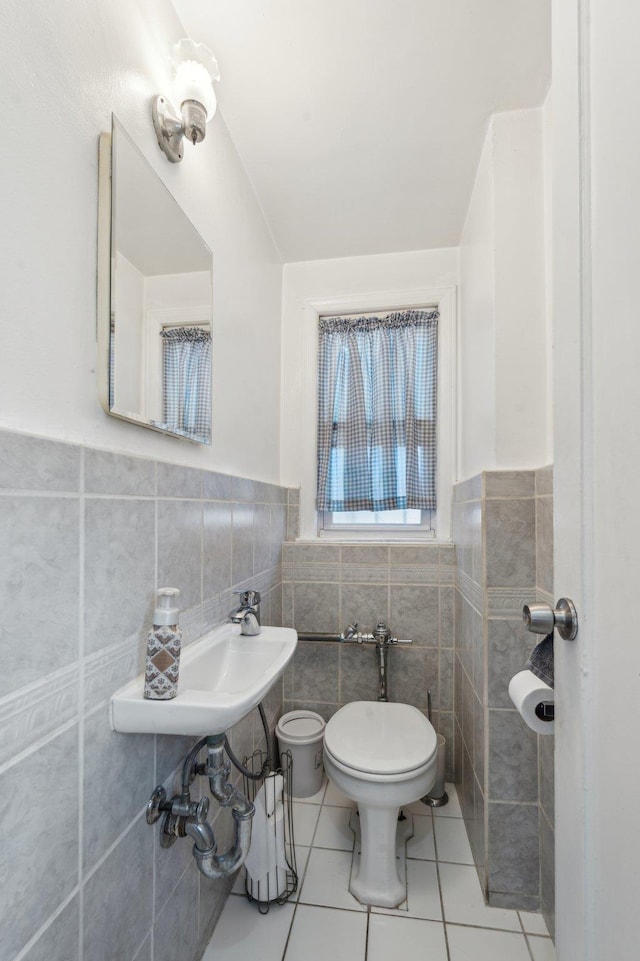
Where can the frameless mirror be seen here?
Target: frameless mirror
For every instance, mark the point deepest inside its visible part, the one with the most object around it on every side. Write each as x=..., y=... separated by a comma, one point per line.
x=155, y=299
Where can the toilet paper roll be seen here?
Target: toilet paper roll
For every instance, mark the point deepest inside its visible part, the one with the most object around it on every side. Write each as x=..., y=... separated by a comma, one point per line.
x=527, y=691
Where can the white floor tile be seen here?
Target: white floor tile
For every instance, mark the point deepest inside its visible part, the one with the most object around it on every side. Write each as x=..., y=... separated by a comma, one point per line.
x=327, y=880
x=464, y=904
x=533, y=923
x=421, y=844
x=406, y=938
x=542, y=949
x=452, y=808
x=452, y=841
x=474, y=944
x=305, y=818
x=335, y=797
x=319, y=934
x=242, y=932
x=333, y=829
x=423, y=895
x=315, y=798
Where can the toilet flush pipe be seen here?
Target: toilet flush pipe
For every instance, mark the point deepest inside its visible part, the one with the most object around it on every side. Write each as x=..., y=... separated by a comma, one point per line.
x=218, y=770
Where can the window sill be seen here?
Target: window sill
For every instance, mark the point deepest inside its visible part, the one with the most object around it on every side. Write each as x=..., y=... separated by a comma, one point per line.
x=373, y=537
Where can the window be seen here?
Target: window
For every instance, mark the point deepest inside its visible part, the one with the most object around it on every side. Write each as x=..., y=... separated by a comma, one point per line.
x=377, y=401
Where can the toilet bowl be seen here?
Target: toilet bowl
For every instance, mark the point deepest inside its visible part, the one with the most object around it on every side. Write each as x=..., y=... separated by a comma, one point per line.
x=381, y=755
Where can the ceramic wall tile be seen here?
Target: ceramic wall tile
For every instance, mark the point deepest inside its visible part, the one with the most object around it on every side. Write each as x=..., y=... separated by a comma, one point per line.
x=118, y=898
x=176, y=927
x=39, y=566
x=504, y=558
x=177, y=481
x=119, y=585
x=40, y=841
x=217, y=487
x=216, y=548
x=61, y=940
x=317, y=608
x=118, y=770
x=414, y=612
x=315, y=671
x=106, y=472
x=139, y=532
x=510, y=542
x=544, y=543
x=513, y=860
x=364, y=604
x=358, y=673
x=513, y=758
x=242, y=543
x=509, y=483
x=37, y=464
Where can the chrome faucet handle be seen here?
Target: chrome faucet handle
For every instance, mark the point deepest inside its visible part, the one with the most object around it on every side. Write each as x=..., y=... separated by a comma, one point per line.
x=351, y=631
x=250, y=598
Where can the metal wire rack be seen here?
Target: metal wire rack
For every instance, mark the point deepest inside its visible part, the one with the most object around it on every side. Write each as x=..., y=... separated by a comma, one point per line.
x=271, y=874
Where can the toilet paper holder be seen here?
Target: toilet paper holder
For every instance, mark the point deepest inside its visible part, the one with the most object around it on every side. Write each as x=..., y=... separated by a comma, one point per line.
x=545, y=711
x=542, y=618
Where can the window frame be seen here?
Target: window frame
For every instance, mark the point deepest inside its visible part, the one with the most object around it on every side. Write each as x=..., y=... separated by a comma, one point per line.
x=444, y=298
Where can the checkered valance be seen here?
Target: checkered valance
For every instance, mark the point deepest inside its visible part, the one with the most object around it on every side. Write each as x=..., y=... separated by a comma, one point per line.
x=186, y=381
x=377, y=412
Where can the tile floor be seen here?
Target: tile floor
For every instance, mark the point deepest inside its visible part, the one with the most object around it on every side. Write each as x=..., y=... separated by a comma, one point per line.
x=443, y=919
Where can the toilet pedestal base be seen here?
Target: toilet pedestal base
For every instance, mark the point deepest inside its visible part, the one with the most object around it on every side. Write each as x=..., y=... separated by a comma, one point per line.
x=376, y=879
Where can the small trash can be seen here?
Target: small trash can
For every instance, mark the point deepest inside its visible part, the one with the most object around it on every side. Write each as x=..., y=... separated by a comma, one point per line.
x=302, y=733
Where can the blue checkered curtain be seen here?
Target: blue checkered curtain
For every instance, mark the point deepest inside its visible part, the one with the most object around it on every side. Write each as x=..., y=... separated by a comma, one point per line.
x=186, y=381
x=377, y=412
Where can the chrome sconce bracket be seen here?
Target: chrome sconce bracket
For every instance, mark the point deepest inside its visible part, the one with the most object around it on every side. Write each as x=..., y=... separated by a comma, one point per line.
x=169, y=129
x=543, y=619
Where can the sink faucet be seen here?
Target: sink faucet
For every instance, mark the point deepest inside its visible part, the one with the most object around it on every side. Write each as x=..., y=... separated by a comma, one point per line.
x=247, y=614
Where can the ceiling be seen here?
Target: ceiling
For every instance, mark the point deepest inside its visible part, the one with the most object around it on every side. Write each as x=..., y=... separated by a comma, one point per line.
x=360, y=122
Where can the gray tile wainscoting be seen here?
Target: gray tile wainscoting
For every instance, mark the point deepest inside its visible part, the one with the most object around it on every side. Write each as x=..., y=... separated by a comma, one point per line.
x=326, y=586
x=89, y=535
x=503, y=531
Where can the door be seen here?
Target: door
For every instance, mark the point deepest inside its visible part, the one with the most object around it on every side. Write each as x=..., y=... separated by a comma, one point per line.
x=596, y=385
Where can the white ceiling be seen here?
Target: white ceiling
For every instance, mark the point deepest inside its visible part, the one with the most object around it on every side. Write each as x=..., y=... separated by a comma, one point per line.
x=360, y=122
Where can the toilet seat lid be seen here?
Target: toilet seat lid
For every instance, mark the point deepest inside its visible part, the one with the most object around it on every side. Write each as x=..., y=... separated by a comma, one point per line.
x=380, y=737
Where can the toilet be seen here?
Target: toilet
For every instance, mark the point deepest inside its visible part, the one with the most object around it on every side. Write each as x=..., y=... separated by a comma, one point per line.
x=381, y=755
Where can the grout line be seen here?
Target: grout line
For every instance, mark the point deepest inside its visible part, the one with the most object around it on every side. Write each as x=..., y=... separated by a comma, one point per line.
x=42, y=930
x=366, y=934
x=444, y=924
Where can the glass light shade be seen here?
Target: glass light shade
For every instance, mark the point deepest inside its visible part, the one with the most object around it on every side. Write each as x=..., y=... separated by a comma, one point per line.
x=196, y=68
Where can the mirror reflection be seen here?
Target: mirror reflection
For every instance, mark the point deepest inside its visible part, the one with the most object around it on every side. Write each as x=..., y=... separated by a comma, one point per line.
x=161, y=303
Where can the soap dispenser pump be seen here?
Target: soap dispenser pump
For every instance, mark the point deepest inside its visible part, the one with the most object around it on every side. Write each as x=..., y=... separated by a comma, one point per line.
x=163, y=648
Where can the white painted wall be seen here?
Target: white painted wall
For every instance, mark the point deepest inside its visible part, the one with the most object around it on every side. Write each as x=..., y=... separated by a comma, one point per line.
x=346, y=276
x=67, y=65
x=476, y=343
x=503, y=316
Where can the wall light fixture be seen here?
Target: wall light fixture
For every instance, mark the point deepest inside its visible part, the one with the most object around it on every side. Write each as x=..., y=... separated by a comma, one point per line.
x=195, y=70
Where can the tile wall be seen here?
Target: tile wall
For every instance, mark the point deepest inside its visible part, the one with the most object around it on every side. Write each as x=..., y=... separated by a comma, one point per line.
x=503, y=536
x=326, y=586
x=88, y=536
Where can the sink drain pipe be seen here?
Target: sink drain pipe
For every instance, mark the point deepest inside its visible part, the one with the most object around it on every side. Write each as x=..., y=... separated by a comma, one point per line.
x=186, y=818
x=218, y=770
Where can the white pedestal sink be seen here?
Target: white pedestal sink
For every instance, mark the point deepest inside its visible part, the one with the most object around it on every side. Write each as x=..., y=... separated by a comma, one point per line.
x=223, y=676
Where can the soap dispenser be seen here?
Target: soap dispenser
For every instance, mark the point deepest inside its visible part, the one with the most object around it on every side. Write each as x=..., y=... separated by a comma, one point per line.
x=163, y=648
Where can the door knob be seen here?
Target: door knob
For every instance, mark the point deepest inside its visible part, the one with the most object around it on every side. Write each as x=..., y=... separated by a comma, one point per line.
x=542, y=618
